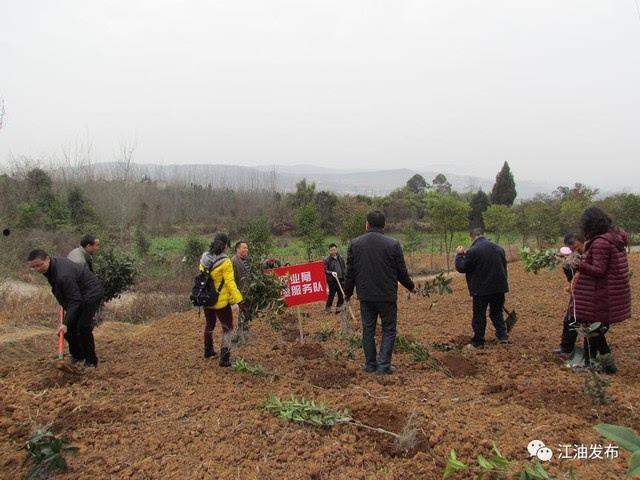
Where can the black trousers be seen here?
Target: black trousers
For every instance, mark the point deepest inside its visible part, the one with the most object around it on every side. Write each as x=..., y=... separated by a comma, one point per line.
x=495, y=303
x=388, y=313
x=569, y=334
x=333, y=290
x=79, y=334
x=597, y=344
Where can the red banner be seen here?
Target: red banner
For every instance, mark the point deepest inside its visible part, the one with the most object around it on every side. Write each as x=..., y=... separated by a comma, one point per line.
x=306, y=283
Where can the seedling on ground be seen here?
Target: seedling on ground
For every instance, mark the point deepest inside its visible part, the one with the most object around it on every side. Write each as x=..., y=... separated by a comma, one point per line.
x=301, y=410
x=46, y=454
x=498, y=467
x=419, y=352
x=627, y=439
x=439, y=285
x=242, y=366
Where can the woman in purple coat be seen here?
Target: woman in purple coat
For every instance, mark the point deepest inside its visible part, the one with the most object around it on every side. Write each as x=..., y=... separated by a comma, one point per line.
x=602, y=292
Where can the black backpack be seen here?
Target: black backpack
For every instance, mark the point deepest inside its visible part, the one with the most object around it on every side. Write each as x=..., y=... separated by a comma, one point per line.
x=203, y=294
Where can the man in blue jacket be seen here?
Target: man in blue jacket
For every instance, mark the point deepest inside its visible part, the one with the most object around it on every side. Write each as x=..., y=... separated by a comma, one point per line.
x=375, y=265
x=485, y=266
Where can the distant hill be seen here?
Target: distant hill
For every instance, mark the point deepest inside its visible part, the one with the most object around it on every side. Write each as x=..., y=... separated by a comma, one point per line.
x=284, y=178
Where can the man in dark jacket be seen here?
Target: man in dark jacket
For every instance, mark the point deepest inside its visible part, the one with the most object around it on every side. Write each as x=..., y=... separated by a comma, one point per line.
x=485, y=266
x=79, y=292
x=89, y=246
x=242, y=274
x=375, y=264
x=334, y=263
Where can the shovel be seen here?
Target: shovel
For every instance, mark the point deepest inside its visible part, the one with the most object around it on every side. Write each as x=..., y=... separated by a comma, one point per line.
x=512, y=318
x=348, y=305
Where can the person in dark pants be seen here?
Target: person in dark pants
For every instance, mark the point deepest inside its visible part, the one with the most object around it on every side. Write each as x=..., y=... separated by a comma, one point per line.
x=375, y=265
x=220, y=268
x=602, y=292
x=485, y=266
x=334, y=263
x=79, y=292
x=569, y=333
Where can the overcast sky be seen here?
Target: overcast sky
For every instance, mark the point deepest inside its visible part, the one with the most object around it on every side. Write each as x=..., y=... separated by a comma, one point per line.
x=459, y=86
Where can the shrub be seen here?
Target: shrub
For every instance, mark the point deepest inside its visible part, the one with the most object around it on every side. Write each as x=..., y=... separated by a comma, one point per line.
x=117, y=272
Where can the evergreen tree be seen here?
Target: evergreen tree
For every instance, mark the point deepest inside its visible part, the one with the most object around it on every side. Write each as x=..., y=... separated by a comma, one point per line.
x=504, y=190
x=479, y=204
x=417, y=184
x=440, y=184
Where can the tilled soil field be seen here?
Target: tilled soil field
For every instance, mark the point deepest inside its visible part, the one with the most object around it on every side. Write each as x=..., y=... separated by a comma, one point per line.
x=156, y=409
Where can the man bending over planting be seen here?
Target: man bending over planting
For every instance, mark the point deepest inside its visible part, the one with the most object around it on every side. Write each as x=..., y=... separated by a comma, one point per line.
x=79, y=292
x=375, y=264
x=485, y=266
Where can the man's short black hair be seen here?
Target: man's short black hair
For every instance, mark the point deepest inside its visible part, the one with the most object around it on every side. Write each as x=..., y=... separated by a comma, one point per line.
x=37, y=254
x=332, y=245
x=476, y=232
x=87, y=240
x=572, y=237
x=376, y=219
x=237, y=245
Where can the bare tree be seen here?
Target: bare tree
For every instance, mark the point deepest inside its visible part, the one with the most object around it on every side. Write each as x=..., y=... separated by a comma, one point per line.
x=124, y=157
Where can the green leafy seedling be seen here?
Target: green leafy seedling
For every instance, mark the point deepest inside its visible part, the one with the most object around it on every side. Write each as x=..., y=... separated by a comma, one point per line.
x=626, y=438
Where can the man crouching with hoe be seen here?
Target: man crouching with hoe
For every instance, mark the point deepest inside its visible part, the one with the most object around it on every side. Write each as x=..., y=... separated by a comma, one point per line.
x=79, y=292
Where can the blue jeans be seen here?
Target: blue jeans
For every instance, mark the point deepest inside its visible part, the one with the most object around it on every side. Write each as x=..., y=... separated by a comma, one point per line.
x=388, y=313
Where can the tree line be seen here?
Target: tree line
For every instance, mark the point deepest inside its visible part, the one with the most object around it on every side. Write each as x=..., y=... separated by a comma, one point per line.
x=129, y=209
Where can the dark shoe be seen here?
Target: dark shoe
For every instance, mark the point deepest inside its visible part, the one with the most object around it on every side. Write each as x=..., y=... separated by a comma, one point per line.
x=607, y=363
x=386, y=371
x=211, y=354
x=225, y=357
x=503, y=341
x=370, y=369
x=557, y=351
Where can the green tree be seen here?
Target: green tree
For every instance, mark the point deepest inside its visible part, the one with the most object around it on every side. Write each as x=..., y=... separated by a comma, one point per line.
x=81, y=212
x=352, y=217
x=479, y=204
x=500, y=219
x=193, y=250
x=326, y=203
x=417, y=184
x=448, y=215
x=570, y=211
x=141, y=241
x=259, y=237
x=625, y=210
x=504, y=190
x=579, y=192
x=412, y=241
x=543, y=221
x=304, y=194
x=440, y=184
x=117, y=272
x=309, y=231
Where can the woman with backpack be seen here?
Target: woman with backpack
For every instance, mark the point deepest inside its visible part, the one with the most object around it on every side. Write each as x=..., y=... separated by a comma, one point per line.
x=218, y=264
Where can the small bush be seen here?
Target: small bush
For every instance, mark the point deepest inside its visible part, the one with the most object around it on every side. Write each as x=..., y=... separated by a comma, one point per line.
x=117, y=272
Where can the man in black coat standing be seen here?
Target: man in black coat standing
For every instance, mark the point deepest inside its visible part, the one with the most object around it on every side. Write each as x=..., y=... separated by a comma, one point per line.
x=79, y=292
x=334, y=264
x=485, y=266
x=375, y=265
